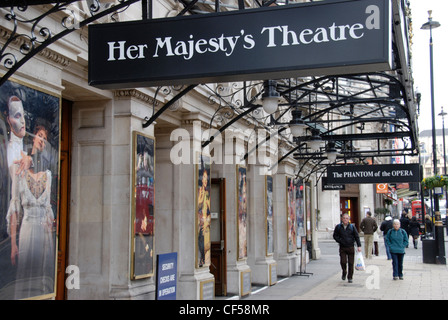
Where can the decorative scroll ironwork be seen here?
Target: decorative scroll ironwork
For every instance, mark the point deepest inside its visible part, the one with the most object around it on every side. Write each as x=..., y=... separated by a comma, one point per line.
x=41, y=36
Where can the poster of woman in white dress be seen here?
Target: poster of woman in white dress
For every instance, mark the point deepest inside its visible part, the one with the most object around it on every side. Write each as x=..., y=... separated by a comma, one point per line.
x=29, y=169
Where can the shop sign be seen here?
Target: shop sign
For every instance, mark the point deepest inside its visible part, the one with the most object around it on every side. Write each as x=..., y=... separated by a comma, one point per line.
x=166, y=285
x=359, y=174
x=254, y=44
x=382, y=188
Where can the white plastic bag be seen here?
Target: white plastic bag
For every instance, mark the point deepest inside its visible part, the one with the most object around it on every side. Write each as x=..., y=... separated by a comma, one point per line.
x=359, y=262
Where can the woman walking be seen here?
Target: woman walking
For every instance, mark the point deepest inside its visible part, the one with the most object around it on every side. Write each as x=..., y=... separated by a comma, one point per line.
x=397, y=240
x=414, y=230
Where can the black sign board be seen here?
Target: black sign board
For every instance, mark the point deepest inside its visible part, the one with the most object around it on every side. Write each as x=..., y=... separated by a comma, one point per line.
x=360, y=174
x=320, y=38
x=331, y=187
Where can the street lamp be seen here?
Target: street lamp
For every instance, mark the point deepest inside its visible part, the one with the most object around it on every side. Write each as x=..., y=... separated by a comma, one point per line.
x=440, y=259
x=443, y=114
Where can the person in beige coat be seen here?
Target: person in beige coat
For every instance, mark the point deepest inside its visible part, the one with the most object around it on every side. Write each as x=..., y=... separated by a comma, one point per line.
x=368, y=226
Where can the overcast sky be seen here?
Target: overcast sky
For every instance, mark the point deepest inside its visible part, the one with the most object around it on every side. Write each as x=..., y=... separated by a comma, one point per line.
x=421, y=61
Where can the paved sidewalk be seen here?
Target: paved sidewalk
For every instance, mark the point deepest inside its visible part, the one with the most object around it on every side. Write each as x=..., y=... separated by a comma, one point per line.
x=422, y=281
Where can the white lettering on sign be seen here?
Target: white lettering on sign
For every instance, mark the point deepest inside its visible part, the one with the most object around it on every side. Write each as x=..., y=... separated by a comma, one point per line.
x=130, y=52
x=308, y=36
x=358, y=174
x=167, y=291
x=402, y=173
x=187, y=49
x=272, y=36
x=167, y=266
x=168, y=278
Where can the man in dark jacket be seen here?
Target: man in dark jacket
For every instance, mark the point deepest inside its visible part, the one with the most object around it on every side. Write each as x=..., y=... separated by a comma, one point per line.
x=386, y=225
x=346, y=235
x=404, y=222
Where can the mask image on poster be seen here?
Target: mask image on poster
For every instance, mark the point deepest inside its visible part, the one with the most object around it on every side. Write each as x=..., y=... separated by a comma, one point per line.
x=29, y=169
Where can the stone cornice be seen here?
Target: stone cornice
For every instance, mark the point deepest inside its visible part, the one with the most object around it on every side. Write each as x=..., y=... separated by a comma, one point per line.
x=45, y=53
x=134, y=93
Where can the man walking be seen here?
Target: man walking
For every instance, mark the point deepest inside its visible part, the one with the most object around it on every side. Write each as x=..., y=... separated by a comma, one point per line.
x=368, y=226
x=386, y=225
x=346, y=235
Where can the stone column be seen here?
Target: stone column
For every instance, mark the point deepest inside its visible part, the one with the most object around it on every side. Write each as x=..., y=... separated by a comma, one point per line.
x=100, y=212
x=315, y=250
x=287, y=262
x=178, y=172
x=260, y=262
x=237, y=269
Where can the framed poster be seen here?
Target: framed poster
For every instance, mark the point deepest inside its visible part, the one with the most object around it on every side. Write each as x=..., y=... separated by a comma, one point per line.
x=291, y=214
x=300, y=212
x=308, y=210
x=29, y=191
x=246, y=282
x=142, y=233
x=272, y=274
x=207, y=290
x=303, y=255
x=241, y=194
x=269, y=216
x=203, y=218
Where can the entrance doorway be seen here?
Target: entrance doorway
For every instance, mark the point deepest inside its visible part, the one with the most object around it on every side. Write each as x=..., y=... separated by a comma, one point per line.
x=218, y=235
x=350, y=205
x=64, y=197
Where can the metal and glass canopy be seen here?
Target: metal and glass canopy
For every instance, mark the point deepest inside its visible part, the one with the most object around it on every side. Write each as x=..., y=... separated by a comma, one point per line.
x=357, y=118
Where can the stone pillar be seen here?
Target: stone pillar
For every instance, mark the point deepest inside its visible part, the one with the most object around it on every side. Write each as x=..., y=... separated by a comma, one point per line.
x=315, y=250
x=260, y=262
x=367, y=199
x=237, y=269
x=100, y=212
x=178, y=226
x=287, y=262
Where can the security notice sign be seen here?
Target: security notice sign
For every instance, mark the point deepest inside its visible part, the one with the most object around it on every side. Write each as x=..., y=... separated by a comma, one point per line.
x=166, y=286
x=384, y=173
x=319, y=38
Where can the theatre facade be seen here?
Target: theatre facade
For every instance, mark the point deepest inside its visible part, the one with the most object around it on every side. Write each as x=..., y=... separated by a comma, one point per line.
x=160, y=150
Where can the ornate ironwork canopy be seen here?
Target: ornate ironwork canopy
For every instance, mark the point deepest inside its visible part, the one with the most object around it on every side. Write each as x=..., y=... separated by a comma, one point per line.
x=341, y=112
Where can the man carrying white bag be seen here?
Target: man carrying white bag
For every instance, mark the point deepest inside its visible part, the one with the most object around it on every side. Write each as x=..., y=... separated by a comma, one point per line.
x=346, y=235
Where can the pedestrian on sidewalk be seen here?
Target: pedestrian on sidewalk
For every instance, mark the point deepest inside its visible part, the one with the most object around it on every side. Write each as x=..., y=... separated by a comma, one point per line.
x=368, y=226
x=404, y=221
x=346, y=235
x=386, y=225
x=376, y=239
x=414, y=229
x=429, y=226
x=397, y=240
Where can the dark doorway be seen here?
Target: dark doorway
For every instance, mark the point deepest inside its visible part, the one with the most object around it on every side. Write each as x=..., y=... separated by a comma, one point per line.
x=350, y=205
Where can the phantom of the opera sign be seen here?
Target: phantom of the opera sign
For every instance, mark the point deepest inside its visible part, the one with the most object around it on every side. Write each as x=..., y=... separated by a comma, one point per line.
x=386, y=173
x=253, y=44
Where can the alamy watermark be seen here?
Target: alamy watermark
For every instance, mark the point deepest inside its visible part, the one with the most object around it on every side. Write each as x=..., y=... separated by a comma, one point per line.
x=373, y=281
x=262, y=149
x=72, y=280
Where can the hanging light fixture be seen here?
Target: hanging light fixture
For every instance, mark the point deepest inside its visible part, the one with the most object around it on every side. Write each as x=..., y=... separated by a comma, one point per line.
x=270, y=96
x=297, y=125
x=331, y=152
x=315, y=140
